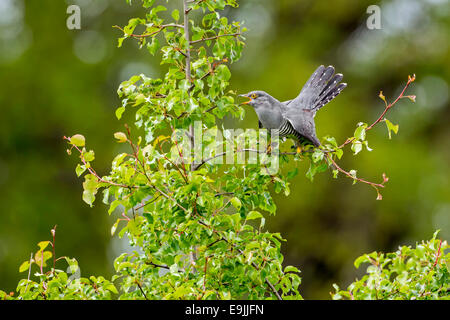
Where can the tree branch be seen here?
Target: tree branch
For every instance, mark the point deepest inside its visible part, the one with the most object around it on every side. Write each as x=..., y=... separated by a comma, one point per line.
x=142, y=291
x=92, y=171
x=386, y=109
x=161, y=28
x=243, y=150
x=375, y=185
x=216, y=37
x=188, y=42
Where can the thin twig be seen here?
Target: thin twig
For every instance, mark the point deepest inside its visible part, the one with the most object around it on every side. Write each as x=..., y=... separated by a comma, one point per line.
x=92, y=171
x=161, y=28
x=438, y=254
x=147, y=203
x=387, y=107
x=142, y=291
x=53, y=231
x=216, y=37
x=380, y=185
x=29, y=272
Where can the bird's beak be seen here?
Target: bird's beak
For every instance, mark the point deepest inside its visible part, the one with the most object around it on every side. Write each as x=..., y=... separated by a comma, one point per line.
x=245, y=96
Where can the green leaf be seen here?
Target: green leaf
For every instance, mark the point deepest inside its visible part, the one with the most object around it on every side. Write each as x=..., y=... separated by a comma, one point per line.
x=73, y=264
x=78, y=140
x=339, y=153
x=43, y=244
x=236, y=202
x=356, y=146
x=360, y=260
x=223, y=73
x=24, y=266
x=89, y=156
x=111, y=288
x=253, y=215
x=88, y=197
x=121, y=137
x=315, y=168
x=120, y=42
x=353, y=174
x=317, y=155
x=90, y=186
x=119, y=112
x=80, y=169
x=291, y=269
x=176, y=14
x=41, y=257
x=360, y=132
x=114, y=227
x=391, y=127
x=335, y=173
x=153, y=46
x=119, y=159
x=113, y=206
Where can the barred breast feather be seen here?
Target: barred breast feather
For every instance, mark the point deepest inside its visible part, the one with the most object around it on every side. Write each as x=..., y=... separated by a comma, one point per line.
x=288, y=131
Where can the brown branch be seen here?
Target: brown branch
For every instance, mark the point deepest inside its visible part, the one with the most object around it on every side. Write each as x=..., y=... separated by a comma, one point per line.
x=147, y=203
x=53, y=232
x=379, y=119
x=375, y=185
x=224, y=194
x=216, y=37
x=161, y=28
x=140, y=288
x=158, y=265
x=273, y=289
x=244, y=150
x=387, y=107
x=183, y=175
x=211, y=71
x=205, y=270
x=162, y=266
x=211, y=109
x=29, y=272
x=186, y=35
x=186, y=11
x=438, y=254
x=92, y=171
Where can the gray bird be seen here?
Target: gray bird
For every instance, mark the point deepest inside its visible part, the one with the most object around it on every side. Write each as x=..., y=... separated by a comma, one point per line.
x=295, y=118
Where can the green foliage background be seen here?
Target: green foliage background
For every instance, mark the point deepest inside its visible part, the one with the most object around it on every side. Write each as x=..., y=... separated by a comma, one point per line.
x=55, y=81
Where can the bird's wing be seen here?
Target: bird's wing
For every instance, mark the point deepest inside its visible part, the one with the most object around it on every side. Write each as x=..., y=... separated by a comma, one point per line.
x=320, y=89
x=284, y=106
x=303, y=123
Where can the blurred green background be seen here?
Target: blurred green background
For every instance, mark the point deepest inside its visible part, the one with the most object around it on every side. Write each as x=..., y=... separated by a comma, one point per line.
x=56, y=82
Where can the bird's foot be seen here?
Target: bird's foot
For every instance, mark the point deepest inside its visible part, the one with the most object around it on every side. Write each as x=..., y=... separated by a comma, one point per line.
x=272, y=146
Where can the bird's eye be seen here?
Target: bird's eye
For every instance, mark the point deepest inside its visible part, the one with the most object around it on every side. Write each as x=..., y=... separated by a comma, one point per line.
x=254, y=96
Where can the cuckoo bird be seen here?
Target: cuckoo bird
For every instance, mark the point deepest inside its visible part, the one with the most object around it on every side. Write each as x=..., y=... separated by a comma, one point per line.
x=295, y=118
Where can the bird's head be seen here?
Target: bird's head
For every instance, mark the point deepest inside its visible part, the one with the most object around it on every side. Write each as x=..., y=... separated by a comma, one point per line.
x=257, y=98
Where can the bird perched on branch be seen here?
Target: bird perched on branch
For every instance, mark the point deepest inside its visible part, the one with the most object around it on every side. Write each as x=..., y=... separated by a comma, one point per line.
x=295, y=118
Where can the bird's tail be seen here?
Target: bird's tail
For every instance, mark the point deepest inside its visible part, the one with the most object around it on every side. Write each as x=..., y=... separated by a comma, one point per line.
x=327, y=86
